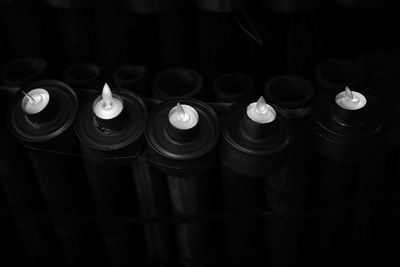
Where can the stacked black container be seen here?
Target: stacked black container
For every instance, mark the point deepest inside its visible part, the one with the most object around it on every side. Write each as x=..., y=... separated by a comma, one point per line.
x=110, y=147
x=294, y=94
x=187, y=158
x=343, y=142
x=50, y=142
x=252, y=154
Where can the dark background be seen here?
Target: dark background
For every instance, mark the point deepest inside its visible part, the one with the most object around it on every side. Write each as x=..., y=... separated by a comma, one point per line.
x=282, y=38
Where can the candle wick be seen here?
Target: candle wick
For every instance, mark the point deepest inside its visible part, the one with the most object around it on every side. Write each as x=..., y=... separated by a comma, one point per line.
x=29, y=96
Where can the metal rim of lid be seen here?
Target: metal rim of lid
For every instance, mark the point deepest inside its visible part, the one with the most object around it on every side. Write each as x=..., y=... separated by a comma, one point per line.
x=367, y=56
x=61, y=127
x=94, y=68
x=197, y=79
x=139, y=70
x=208, y=131
x=221, y=91
x=236, y=112
x=40, y=63
x=302, y=102
x=93, y=138
x=359, y=69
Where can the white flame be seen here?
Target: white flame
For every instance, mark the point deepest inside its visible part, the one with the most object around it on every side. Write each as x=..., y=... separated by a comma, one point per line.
x=261, y=106
x=107, y=96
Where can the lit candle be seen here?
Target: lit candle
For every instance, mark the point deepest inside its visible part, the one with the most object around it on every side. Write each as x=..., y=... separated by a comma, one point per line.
x=183, y=117
x=350, y=100
x=35, y=101
x=260, y=111
x=106, y=106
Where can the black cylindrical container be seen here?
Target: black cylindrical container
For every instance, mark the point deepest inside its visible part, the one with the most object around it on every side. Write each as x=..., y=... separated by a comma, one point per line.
x=84, y=76
x=50, y=140
x=109, y=147
x=188, y=157
x=220, y=5
x=76, y=29
x=177, y=82
x=234, y=86
x=176, y=37
x=132, y=77
x=149, y=6
x=358, y=3
x=23, y=71
x=387, y=214
x=294, y=94
x=69, y=3
x=21, y=189
x=289, y=6
x=344, y=143
x=336, y=74
x=252, y=153
x=383, y=68
x=77, y=32
x=29, y=31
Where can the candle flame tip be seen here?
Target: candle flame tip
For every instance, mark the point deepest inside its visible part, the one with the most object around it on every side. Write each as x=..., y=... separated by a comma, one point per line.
x=107, y=94
x=348, y=93
x=261, y=104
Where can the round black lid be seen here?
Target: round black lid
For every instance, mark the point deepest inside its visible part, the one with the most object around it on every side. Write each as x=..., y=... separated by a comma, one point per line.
x=23, y=70
x=202, y=143
x=133, y=128
x=322, y=116
x=62, y=96
x=265, y=146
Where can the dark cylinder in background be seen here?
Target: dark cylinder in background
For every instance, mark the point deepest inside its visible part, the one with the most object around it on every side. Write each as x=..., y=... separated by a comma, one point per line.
x=133, y=78
x=177, y=82
x=149, y=6
x=222, y=45
x=176, y=37
x=344, y=165
x=69, y=3
x=336, y=74
x=294, y=94
x=84, y=76
x=234, y=86
x=187, y=157
x=29, y=31
x=358, y=3
x=383, y=68
x=22, y=71
x=252, y=153
x=288, y=6
x=77, y=29
x=50, y=141
x=387, y=208
x=220, y=5
x=109, y=147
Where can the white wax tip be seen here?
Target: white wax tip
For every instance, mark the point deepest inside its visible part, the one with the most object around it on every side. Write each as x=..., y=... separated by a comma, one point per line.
x=350, y=100
x=35, y=101
x=106, y=106
x=260, y=111
x=183, y=117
